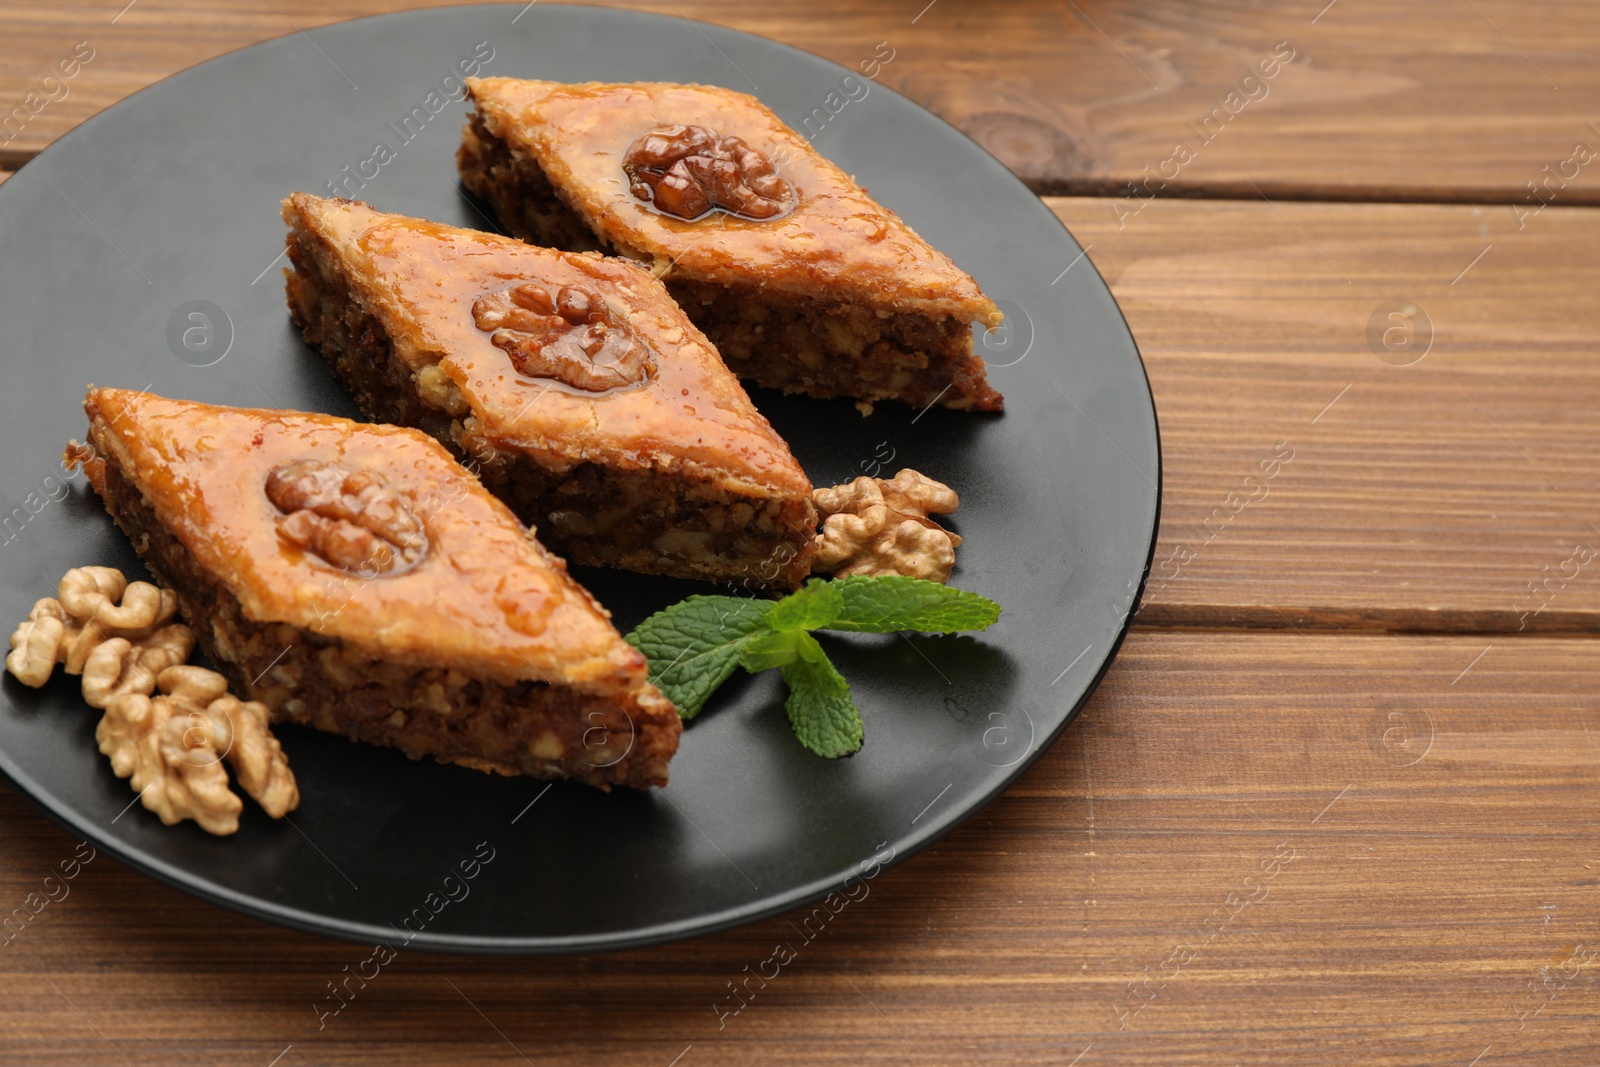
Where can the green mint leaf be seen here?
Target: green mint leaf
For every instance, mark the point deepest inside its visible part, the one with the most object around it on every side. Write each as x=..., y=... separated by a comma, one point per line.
x=824, y=717
x=890, y=603
x=812, y=607
x=695, y=644
x=775, y=648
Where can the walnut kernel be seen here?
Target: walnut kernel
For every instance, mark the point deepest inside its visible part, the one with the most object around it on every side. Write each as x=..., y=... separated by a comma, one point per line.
x=349, y=518
x=92, y=605
x=688, y=170
x=172, y=747
x=88, y=593
x=119, y=637
x=119, y=666
x=570, y=336
x=874, y=526
x=175, y=766
x=41, y=641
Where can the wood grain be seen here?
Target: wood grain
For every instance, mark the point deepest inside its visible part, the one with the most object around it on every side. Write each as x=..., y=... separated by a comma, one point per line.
x=1425, y=497
x=1432, y=100
x=1252, y=848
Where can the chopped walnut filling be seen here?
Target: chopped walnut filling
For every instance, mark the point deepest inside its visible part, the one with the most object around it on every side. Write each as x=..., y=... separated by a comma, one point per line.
x=874, y=526
x=688, y=170
x=569, y=336
x=119, y=637
x=349, y=518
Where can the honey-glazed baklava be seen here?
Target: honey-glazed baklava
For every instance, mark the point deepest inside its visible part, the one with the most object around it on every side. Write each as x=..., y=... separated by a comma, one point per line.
x=356, y=579
x=801, y=279
x=571, y=383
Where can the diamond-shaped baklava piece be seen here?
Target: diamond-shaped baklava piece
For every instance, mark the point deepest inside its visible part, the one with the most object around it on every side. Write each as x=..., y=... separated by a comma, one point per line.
x=356, y=579
x=571, y=383
x=802, y=280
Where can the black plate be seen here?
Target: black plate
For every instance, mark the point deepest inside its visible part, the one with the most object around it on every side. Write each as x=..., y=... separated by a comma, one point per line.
x=166, y=206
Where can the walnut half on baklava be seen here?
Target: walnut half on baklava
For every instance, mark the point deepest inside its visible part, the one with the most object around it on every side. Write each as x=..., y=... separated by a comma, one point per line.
x=573, y=385
x=354, y=578
x=801, y=279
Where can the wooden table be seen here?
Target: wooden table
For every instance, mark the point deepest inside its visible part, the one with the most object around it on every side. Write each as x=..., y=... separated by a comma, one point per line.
x=1335, y=801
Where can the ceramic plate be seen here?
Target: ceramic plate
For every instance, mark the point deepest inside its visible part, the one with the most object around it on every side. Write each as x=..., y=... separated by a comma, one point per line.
x=143, y=250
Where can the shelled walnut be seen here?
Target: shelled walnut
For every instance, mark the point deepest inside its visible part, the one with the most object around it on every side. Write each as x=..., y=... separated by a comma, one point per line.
x=173, y=759
x=172, y=746
x=94, y=606
x=48, y=636
x=688, y=170
x=117, y=666
x=349, y=518
x=569, y=336
x=874, y=526
x=120, y=638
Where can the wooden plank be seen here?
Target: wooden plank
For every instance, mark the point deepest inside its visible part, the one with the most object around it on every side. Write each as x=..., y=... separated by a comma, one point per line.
x=1427, y=100
x=1309, y=479
x=1351, y=851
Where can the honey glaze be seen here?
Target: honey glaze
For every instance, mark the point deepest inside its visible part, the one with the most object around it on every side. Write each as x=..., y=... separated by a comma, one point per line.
x=474, y=592
x=834, y=239
x=569, y=336
x=688, y=171
x=424, y=280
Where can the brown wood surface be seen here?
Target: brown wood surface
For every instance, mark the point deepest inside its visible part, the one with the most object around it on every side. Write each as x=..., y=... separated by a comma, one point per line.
x=1434, y=897
x=1435, y=793
x=1427, y=497
x=1435, y=99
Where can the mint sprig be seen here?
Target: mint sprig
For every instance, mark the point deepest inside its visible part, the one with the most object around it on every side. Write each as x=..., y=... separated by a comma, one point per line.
x=893, y=603
x=694, y=645
x=821, y=711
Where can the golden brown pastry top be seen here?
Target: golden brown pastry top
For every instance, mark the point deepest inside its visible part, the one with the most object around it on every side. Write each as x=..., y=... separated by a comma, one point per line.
x=834, y=239
x=480, y=596
x=444, y=296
